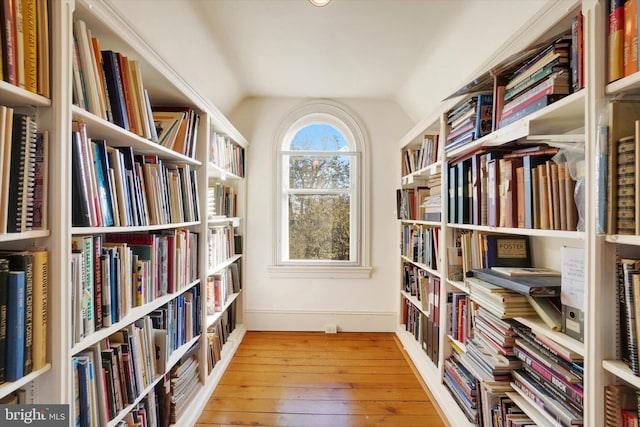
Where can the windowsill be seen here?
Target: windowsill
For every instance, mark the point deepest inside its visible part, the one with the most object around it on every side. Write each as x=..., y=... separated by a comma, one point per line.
x=318, y=272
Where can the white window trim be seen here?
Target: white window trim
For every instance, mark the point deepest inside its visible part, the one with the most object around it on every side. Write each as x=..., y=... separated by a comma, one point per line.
x=337, y=116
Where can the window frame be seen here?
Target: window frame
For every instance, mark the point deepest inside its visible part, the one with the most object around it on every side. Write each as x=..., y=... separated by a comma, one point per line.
x=335, y=115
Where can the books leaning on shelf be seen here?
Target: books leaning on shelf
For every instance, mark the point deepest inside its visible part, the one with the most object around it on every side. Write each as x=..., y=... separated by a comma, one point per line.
x=114, y=273
x=112, y=186
x=628, y=311
x=415, y=159
x=227, y=155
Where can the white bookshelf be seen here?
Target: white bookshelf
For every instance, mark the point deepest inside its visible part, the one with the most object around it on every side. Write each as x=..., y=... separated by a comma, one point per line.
x=54, y=382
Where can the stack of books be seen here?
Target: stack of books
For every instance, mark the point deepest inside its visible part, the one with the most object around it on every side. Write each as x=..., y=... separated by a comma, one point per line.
x=469, y=120
x=539, y=82
x=551, y=377
x=416, y=159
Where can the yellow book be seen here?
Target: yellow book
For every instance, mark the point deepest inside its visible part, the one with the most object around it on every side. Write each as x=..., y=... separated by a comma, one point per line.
x=40, y=307
x=548, y=312
x=29, y=25
x=42, y=36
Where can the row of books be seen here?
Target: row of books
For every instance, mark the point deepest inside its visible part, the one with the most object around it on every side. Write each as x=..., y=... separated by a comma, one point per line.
x=24, y=159
x=548, y=381
x=416, y=159
x=218, y=334
x=424, y=328
x=111, y=375
x=109, y=85
x=23, y=312
x=220, y=244
x=537, y=83
x=469, y=120
x=222, y=201
x=226, y=154
x=420, y=244
x=113, y=273
x=421, y=203
x=25, y=45
x=502, y=351
x=115, y=187
x=524, y=188
x=220, y=286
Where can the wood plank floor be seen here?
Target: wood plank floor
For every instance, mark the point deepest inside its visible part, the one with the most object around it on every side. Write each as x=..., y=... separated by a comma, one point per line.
x=314, y=379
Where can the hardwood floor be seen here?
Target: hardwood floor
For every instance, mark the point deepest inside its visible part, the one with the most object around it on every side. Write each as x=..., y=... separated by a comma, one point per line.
x=314, y=379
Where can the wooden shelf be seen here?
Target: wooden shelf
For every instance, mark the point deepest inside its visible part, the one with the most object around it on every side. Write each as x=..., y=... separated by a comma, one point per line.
x=221, y=220
x=216, y=172
x=573, y=235
x=417, y=221
x=27, y=235
x=134, y=314
x=621, y=370
x=10, y=387
x=415, y=301
x=630, y=83
x=213, y=318
x=424, y=267
x=217, y=268
x=14, y=96
x=538, y=416
x=132, y=229
x=418, y=177
x=623, y=239
x=459, y=285
x=102, y=129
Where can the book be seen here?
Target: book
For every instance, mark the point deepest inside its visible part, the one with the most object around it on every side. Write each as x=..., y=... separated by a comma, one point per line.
x=40, y=307
x=23, y=261
x=9, y=47
x=506, y=251
x=4, y=297
x=40, y=203
x=615, y=40
x=548, y=311
x=22, y=174
x=113, y=77
x=526, y=271
x=526, y=285
x=15, y=326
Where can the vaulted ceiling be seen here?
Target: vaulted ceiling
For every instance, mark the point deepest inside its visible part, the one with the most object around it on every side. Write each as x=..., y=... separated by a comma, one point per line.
x=415, y=52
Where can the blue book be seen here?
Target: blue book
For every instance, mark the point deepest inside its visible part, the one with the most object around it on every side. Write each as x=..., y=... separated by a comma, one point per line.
x=15, y=326
x=102, y=181
x=484, y=115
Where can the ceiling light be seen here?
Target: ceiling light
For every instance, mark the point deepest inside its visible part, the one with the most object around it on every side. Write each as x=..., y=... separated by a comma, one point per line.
x=319, y=3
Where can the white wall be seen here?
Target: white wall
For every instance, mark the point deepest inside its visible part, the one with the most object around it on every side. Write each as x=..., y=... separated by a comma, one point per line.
x=310, y=304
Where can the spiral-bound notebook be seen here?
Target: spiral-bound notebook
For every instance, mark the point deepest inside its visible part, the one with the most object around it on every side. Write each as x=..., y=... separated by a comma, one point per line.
x=22, y=175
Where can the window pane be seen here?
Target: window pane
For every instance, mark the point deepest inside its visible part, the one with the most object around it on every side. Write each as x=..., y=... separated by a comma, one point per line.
x=319, y=137
x=319, y=172
x=319, y=227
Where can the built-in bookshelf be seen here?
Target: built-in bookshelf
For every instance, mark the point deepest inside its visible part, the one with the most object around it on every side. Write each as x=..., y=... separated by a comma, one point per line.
x=26, y=234
x=112, y=219
x=484, y=159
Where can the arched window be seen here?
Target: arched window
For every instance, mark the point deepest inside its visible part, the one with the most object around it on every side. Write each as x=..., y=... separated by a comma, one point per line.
x=320, y=192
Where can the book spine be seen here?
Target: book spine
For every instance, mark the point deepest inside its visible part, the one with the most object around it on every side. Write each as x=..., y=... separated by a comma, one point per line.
x=15, y=326
x=630, y=38
x=484, y=115
x=97, y=278
x=615, y=38
x=4, y=296
x=40, y=307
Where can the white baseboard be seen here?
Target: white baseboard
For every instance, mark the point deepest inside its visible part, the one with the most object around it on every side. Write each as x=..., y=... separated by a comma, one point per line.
x=300, y=320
